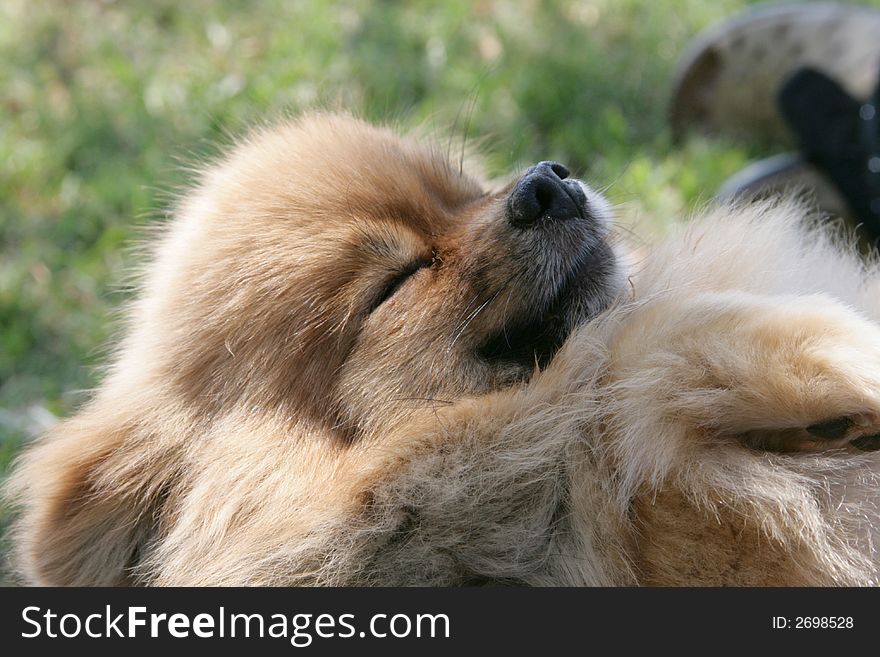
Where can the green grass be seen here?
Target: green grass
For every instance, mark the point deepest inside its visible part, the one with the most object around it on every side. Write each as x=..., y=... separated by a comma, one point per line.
x=102, y=103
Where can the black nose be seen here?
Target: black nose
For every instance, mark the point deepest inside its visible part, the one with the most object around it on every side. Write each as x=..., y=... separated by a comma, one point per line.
x=543, y=192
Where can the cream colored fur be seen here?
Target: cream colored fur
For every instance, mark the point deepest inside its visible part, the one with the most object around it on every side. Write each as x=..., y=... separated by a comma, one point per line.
x=664, y=444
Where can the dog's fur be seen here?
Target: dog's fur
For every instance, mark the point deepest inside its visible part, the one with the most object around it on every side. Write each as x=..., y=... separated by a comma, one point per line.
x=346, y=367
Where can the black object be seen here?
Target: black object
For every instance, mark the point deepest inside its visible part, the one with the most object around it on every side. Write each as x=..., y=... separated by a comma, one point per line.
x=839, y=135
x=832, y=429
x=544, y=192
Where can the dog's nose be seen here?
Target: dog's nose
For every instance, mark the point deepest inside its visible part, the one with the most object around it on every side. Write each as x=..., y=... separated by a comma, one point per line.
x=542, y=193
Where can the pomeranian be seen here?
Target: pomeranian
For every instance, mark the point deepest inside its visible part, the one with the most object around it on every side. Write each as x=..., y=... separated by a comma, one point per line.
x=352, y=362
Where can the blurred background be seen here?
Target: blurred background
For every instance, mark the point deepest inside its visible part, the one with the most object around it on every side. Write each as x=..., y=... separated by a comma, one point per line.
x=105, y=107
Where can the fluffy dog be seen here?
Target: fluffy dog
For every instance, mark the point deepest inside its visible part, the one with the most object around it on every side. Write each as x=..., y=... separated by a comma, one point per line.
x=352, y=362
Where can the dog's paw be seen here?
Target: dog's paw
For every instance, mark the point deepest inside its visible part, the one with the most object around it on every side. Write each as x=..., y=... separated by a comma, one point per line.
x=862, y=431
x=782, y=374
x=786, y=374
x=859, y=433
x=818, y=387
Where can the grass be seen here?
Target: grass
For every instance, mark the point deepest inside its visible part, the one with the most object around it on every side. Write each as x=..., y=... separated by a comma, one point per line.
x=104, y=102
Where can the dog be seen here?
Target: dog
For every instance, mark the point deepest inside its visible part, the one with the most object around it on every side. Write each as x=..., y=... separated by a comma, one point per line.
x=354, y=362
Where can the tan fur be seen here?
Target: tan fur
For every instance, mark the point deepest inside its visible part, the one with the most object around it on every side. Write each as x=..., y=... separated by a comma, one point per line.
x=260, y=426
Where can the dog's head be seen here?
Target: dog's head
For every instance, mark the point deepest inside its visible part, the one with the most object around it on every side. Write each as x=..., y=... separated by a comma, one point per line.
x=318, y=289
x=340, y=272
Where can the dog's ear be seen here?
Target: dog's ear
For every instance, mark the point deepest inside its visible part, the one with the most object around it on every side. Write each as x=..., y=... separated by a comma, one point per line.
x=87, y=496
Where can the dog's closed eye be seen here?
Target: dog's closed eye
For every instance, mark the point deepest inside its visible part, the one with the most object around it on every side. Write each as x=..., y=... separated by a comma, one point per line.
x=397, y=280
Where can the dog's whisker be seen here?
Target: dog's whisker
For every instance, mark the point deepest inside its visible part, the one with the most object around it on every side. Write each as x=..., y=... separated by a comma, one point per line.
x=472, y=103
x=434, y=401
x=471, y=318
x=505, y=311
x=466, y=312
x=454, y=128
